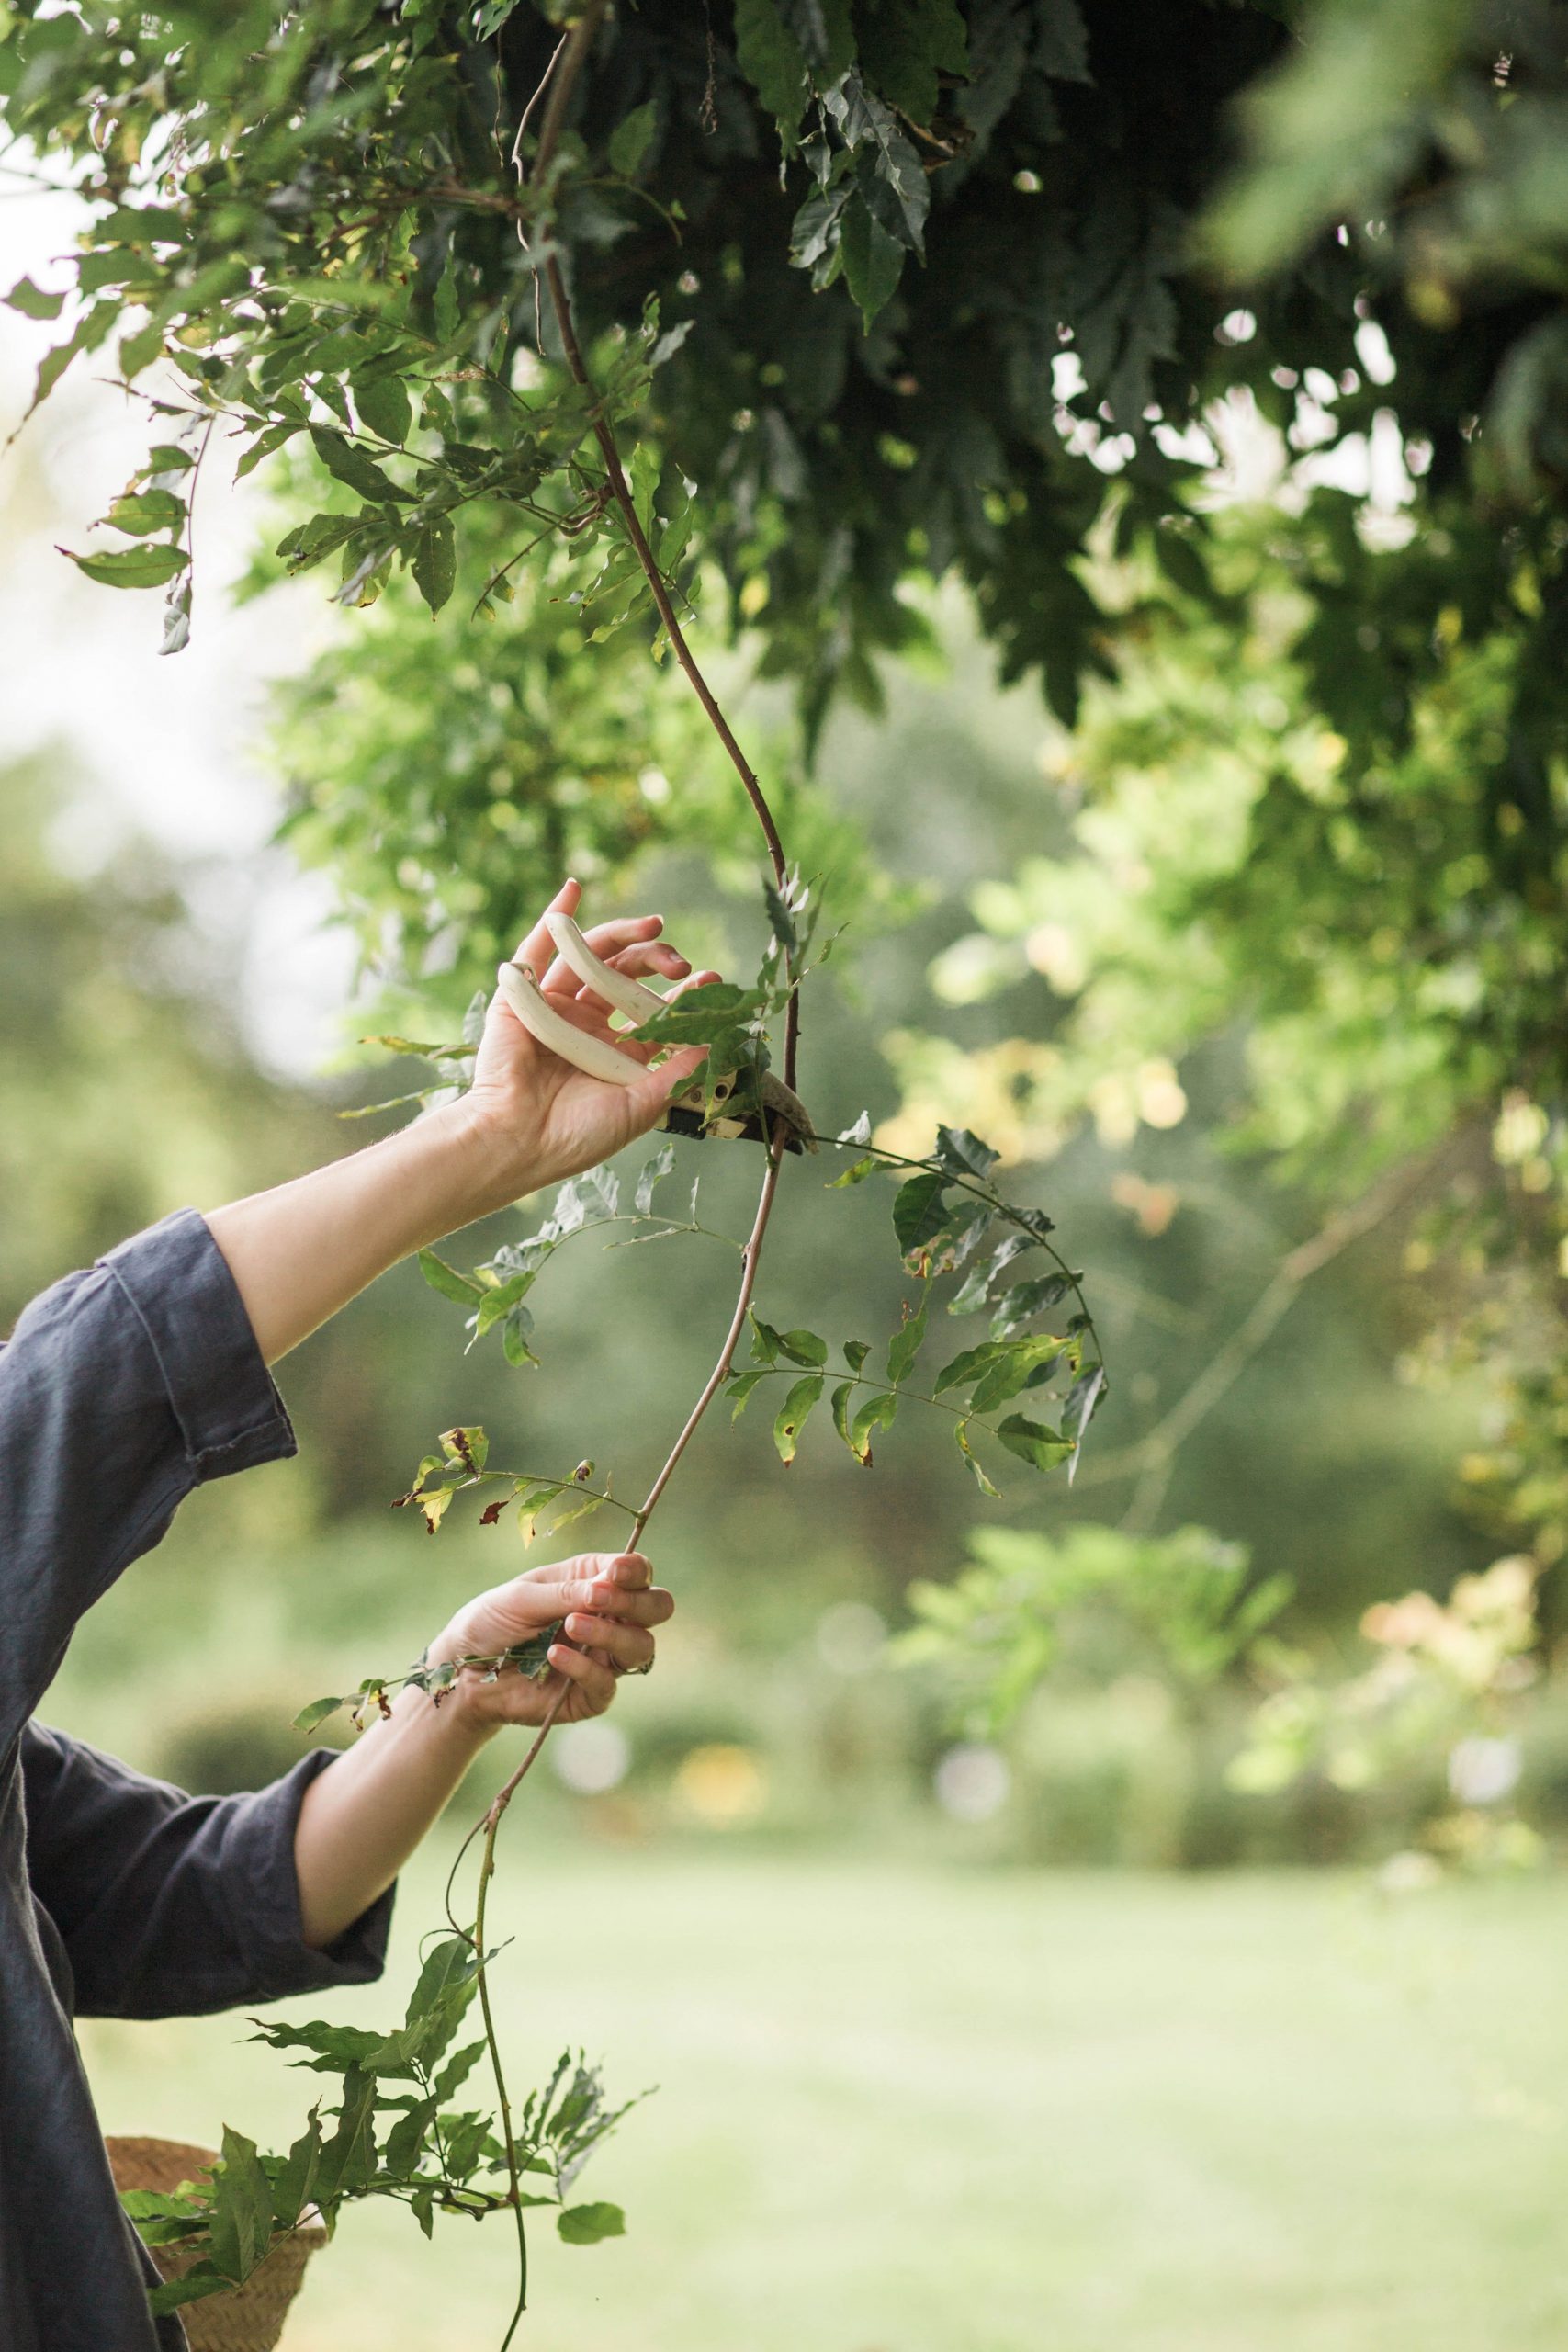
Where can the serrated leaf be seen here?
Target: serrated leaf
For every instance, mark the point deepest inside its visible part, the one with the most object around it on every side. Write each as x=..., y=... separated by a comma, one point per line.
x=240, y=2223
x=586, y=2224
x=793, y=1414
x=459, y=1288
x=1031, y=1442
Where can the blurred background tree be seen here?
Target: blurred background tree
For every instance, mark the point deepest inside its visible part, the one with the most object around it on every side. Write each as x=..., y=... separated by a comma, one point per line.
x=1202, y=367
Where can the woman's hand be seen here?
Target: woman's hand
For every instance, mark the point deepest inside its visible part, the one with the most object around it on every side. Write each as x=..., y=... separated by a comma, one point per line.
x=609, y=1603
x=542, y=1118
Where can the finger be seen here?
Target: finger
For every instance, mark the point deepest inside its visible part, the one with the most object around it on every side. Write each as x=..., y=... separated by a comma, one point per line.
x=627, y=1647
x=538, y=946
x=607, y=939
x=654, y=960
x=641, y=1608
x=595, y=1682
x=589, y=1570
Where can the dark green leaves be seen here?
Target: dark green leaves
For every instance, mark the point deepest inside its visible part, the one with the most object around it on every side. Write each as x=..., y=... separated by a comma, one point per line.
x=318, y=1712
x=629, y=140
x=919, y=1214
x=436, y=562
x=1032, y=1442
x=354, y=467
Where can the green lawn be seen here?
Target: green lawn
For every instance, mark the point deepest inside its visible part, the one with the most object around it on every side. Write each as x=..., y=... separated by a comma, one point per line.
x=910, y=2110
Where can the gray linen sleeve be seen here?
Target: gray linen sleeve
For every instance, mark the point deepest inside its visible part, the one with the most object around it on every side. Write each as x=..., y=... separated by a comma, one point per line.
x=169, y=1904
x=120, y=1390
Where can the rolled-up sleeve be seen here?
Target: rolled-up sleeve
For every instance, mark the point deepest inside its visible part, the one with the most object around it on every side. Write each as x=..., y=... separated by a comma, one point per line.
x=120, y=1390
x=169, y=1904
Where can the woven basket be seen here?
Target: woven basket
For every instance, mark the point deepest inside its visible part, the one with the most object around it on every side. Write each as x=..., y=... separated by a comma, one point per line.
x=244, y=2319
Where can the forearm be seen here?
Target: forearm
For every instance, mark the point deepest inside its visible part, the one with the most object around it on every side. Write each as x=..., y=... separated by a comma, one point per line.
x=302, y=1251
x=363, y=1817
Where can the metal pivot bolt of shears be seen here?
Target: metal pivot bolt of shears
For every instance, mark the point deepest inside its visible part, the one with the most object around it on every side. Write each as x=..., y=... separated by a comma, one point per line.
x=701, y=1108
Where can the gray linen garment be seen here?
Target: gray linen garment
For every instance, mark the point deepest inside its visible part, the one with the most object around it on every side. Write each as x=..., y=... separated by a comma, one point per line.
x=120, y=1391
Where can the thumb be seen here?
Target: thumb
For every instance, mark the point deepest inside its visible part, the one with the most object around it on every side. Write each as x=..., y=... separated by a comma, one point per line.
x=652, y=1092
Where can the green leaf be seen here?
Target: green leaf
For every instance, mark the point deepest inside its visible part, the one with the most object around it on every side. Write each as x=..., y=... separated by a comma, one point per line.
x=971, y=1292
x=918, y=1211
x=874, y=261
x=856, y=1173
x=240, y=2229
x=459, y=1288
x=1015, y=1361
x=765, y=1342
x=32, y=301
x=515, y=1339
x=586, y=2224
x=152, y=566
x=961, y=1431
x=436, y=562
x=383, y=405
x=878, y=1413
x=963, y=1154
x=1020, y=1304
x=965, y=1365
x=139, y=514
x=650, y=1176
x=317, y=1713
x=855, y=1352
x=772, y=61
x=740, y=1388
x=903, y=46
x=630, y=138
x=905, y=1345
x=353, y=467
x=803, y=1347
x=793, y=1414
x=1031, y=1442
x=466, y=1446
x=841, y=1409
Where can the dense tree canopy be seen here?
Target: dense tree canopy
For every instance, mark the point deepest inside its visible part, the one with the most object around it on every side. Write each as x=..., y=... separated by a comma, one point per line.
x=884, y=295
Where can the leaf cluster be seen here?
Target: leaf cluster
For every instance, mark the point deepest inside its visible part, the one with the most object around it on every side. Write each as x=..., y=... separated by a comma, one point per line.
x=393, y=2130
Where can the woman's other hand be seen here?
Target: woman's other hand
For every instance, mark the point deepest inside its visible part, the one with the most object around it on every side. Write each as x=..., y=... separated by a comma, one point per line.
x=609, y=1604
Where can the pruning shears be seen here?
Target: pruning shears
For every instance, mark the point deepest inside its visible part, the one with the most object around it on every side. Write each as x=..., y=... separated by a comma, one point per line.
x=739, y=1105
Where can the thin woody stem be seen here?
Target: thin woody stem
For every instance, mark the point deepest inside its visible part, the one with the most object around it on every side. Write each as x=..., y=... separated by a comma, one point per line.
x=559, y=78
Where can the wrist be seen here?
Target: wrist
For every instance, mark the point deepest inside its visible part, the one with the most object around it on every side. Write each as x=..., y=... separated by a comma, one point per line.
x=491, y=1167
